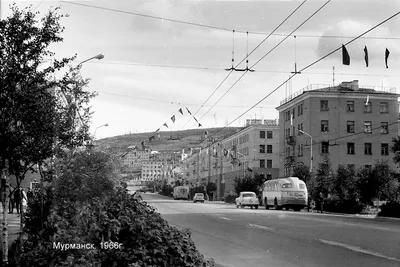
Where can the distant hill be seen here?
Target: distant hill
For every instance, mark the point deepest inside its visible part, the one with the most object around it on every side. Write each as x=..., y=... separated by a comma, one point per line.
x=167, y=140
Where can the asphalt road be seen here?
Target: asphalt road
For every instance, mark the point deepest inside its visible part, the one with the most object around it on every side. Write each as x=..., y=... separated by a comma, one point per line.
x=248, y=237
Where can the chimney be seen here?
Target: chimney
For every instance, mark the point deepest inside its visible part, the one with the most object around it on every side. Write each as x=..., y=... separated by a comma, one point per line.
x=354, y=85
x=350, y=85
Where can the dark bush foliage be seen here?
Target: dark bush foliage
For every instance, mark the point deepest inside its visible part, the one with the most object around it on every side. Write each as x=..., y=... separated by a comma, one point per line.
x=230, y=198
x=390, y=209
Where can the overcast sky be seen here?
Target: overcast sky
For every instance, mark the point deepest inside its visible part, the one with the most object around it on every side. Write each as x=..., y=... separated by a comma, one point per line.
x=135, y=97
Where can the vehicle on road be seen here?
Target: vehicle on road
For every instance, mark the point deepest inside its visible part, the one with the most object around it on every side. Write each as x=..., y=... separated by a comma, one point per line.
x=181, y=192
x=198, y=197
x=247, y=199
x=288, y=193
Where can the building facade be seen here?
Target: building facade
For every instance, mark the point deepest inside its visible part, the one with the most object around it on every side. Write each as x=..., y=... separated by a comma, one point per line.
x=252, y=150
x=352, y=125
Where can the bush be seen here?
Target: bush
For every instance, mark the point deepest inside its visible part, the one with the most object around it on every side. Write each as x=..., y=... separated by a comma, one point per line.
x=146, y=239
x=390, y=209
x=347, y=206
x=230, y=198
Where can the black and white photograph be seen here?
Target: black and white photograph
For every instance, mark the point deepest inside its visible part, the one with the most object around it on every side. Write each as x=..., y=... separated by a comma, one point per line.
x=200, y=133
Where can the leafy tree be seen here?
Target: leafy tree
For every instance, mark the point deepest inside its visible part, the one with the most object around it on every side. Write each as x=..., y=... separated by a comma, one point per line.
x=211, y=188
x=245, y=184
x=323, y=178
x=302, y=172
x=395, y=149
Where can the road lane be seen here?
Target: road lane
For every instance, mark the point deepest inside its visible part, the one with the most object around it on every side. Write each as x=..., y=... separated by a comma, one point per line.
x=238, y=237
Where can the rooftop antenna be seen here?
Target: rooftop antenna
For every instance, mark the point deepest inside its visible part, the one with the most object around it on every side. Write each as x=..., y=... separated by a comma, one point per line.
x=333, y=76
x=295, y=58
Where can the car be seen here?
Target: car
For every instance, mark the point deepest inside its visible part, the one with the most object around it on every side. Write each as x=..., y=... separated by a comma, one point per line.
x=247, y=199
x=198, y=197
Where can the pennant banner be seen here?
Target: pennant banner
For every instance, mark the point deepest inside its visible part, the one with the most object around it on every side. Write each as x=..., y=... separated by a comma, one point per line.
x=180, y=110
x=386, y=57
x=366, y=56
x=345, y=56
x=199, y=124
x=165, y=124
x=188, y=111
x=173, y=118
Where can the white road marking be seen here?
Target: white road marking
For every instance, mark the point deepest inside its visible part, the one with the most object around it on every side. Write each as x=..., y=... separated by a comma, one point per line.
x=261, y=227
x=224, y=218
x=358, y=249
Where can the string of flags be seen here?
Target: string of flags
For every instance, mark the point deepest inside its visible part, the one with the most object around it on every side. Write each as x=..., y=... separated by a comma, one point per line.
x=173, y=118
x=346, y=56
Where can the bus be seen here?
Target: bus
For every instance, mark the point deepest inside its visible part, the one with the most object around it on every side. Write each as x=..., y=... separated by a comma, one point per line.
x=181, y=192
x=288, y=193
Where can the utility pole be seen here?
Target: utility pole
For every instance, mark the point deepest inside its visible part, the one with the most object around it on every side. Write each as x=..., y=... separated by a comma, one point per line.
x=221, y=175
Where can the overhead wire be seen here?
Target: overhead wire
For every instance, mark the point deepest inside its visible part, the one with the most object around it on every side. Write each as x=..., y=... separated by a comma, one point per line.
x=308, y=66
x=271, y=50
x=219, y=28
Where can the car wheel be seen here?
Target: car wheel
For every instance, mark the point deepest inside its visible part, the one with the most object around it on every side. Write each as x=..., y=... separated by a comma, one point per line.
x=237, y=205
x=276, y=205
x=251, y=207
x=256, y=207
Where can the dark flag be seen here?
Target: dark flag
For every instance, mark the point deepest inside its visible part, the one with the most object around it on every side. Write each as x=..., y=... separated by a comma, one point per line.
x=165, y=124
x=173, y=119
x=152, y=138
x=158, y=129
x=366, y=56
x=188, y=111
x=206, y=133
x=195, y=119
x=180, y=110
x=386, y=57
x=199, y=124
x=345, y=56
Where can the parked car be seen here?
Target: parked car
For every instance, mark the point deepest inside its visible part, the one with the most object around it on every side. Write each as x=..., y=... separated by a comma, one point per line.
x=198, y=197
x=247, y=199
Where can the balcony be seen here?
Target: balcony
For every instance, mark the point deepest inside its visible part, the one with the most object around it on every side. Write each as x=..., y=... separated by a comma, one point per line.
x=291, y=141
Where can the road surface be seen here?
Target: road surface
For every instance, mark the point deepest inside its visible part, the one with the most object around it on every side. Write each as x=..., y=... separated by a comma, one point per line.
x=249, y=237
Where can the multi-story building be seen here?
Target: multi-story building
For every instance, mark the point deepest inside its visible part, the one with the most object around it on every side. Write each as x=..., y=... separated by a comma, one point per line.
x=135, y=156
x=152, y=170
x=252, y=150
x=352, y=124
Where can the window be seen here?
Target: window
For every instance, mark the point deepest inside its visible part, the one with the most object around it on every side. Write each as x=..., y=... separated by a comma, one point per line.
x=298, y=151
x=324, y=105
x=384, y=107
x=301, y=148
x=384, y=128
x=269, y=163
x=262, y=148
x=298, y=110
x=302, y=186
x=350, y=149
x=301, y=109
x=262, y=134
x=368, y=149
x=301, y=127
x=350, y=106
x=294, y=112
x=287, y=185
x=367, y=127
x=325, y=147
x=384, y=149
x=269, y=134
x=350, y=126
x=324, y=126
x=269, y=149
x=262, y=163
x=368, y=107
x=298, y=130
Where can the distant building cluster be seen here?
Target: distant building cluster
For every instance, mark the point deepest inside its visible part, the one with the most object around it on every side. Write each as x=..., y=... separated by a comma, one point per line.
x=353, y=125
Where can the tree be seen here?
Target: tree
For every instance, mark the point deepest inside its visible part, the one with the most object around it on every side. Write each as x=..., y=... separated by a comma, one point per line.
x=323, y=180
x=302, y=172
x=211, y=188
x=245, y=184
x=395, y=149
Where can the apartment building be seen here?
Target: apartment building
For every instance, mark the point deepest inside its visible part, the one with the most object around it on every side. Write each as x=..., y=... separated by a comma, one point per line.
x=134, y=157
x=152, y=170
x=353, y=125
x=252, y=150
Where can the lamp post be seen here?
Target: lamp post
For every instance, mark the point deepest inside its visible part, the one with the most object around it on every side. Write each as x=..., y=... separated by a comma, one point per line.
x=311, y=159
x=245, y=159
x=104, y=125
x=99, y=56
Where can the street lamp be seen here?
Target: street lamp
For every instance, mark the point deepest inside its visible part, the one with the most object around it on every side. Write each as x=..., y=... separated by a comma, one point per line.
x=104, y=125
x=245, y=159
x=311, y=160
x=99, y=56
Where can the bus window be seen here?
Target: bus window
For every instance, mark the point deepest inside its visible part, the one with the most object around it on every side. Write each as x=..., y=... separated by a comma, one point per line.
x=302, y=186
x=287, y=185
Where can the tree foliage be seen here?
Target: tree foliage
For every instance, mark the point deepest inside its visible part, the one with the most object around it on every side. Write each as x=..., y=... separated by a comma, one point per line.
x=37, y=111
x=302, y=172
x=245, y=184
x=323, y=178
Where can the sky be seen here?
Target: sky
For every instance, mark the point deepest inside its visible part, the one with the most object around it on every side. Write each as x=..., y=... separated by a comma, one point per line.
x=153, y=67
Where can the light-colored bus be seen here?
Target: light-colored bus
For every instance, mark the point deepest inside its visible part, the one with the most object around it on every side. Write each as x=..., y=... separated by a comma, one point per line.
x=181, y=192
x=288, y=193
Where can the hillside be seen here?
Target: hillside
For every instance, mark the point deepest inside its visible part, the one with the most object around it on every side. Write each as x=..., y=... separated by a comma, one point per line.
x=180, y=139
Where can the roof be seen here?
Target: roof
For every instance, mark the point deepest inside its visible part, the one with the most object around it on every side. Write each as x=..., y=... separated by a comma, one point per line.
x=376, y=90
